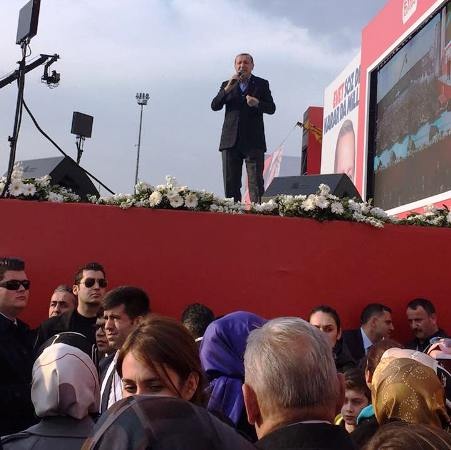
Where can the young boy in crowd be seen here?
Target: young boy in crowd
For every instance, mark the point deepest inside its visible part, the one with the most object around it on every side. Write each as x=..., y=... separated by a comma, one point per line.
x=357, y=396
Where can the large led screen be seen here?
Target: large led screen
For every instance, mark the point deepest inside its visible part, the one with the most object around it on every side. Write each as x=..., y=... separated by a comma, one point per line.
x=411, y=143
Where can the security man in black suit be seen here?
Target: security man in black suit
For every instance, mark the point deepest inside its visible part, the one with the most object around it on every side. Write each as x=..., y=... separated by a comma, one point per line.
x=16, y=342
x=246, y=97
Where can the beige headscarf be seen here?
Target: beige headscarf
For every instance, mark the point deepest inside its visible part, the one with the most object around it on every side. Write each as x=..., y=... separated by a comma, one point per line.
x=405, y=389
x=65, y=383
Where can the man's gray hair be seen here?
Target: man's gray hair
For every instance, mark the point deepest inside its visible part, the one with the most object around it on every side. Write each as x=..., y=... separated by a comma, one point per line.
x=289, y=364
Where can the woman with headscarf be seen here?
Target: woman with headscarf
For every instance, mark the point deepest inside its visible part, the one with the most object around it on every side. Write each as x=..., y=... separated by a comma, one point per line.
x=221, y=354
x=406, y=389
x=65, y=392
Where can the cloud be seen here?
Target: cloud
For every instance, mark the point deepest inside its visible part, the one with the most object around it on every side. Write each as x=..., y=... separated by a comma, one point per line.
x=179, y=51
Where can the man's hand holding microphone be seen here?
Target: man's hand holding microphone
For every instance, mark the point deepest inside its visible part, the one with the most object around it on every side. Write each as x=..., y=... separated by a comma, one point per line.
x=251, y=101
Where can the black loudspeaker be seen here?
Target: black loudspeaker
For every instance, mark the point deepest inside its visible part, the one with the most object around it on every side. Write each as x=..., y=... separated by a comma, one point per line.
x=82, y=124
x=64, y=172
x=339, y=183
x=28, y=21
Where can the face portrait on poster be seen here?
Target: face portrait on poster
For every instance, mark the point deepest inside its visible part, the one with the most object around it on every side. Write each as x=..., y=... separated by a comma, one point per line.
x=341, y=100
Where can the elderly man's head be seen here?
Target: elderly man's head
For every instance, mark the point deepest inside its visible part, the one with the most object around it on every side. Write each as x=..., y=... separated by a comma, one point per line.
x=290, y=375
x=62, y=300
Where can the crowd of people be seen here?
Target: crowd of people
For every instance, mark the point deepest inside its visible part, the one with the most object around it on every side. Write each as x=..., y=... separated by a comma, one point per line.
x=105, y=372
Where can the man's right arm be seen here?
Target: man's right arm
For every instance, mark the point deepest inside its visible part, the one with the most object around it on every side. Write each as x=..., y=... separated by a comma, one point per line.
x=219, y=101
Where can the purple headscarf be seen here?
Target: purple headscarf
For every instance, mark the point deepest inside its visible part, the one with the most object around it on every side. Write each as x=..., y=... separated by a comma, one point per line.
x=221, y=355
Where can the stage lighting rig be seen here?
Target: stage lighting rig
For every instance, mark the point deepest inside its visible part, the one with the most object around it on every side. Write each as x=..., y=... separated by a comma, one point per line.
x=53, y=79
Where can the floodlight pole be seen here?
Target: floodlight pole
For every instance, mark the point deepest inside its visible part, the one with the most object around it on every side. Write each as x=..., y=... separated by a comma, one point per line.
x=142, y=99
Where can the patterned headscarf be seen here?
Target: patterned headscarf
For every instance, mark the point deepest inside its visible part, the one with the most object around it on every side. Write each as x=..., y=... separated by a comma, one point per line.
x=405, y=389
x=222, y=358
x=65, y=383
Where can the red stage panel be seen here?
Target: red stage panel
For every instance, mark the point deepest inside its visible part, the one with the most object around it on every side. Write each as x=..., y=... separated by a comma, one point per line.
x=271, y=265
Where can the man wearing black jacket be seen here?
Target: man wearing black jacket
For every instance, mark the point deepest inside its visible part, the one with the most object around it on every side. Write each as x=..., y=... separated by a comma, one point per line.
x=246, y=98
x=89, y=286
x=16, y=409
x=292, y=390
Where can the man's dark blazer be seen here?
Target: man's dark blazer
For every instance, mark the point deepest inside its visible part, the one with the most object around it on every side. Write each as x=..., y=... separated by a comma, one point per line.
x=16, y=361
x=241, y=119
x=318, y=436
x=354, y=341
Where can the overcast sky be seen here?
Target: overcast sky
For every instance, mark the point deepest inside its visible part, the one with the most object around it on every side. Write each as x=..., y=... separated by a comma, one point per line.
x=179, y=51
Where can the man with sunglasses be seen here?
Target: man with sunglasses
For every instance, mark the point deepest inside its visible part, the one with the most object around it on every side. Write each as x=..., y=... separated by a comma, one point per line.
x=89, y=287
x=16, y=342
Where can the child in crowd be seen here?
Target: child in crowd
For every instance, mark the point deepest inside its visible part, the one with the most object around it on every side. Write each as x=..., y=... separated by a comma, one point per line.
x=357, y=396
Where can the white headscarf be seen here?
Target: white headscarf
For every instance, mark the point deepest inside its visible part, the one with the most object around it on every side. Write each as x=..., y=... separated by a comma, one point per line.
x=65, y=383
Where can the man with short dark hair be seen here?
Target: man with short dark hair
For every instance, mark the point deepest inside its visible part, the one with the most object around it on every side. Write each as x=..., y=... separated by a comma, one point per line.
x=196, y=318
x=246, y=98
x=376, y=324
x=124, y=308
x=89, y=287
x=62, y=300
x=291, y=389
x=16, y=342
x=423, y=323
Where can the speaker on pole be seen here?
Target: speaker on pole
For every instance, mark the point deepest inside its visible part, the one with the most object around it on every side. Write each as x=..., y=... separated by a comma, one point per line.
x=339, y=183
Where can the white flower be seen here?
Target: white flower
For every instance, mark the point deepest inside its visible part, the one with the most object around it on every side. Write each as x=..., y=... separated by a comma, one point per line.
x=448, y=217
x=17, y=173
x=308, y=204
x=29, y=189
x=337, y=208
x=2, y=186
x=358, y=217
x=16, y=188
x=56, y=198
x=155, y=199
x=214, y=207
x=324, y=189
x=379, y=213
x=142, y=187
x=43, y=181
x=171, y=181
x=354, y=206
x=176, y=201
x=191, y=200
x=268, y=206
x=321, y=202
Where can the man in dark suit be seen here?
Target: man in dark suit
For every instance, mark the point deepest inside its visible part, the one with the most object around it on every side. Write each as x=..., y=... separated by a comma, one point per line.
x=376, y=324
x=16, y=359
x=292, y=389
x=246, y=97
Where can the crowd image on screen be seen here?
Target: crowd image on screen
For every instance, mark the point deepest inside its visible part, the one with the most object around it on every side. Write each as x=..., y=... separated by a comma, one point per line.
x=111, y=373
x=412, y=120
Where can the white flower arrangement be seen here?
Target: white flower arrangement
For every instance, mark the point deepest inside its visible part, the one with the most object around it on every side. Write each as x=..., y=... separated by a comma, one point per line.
x=35, y=188
x=320, y=206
